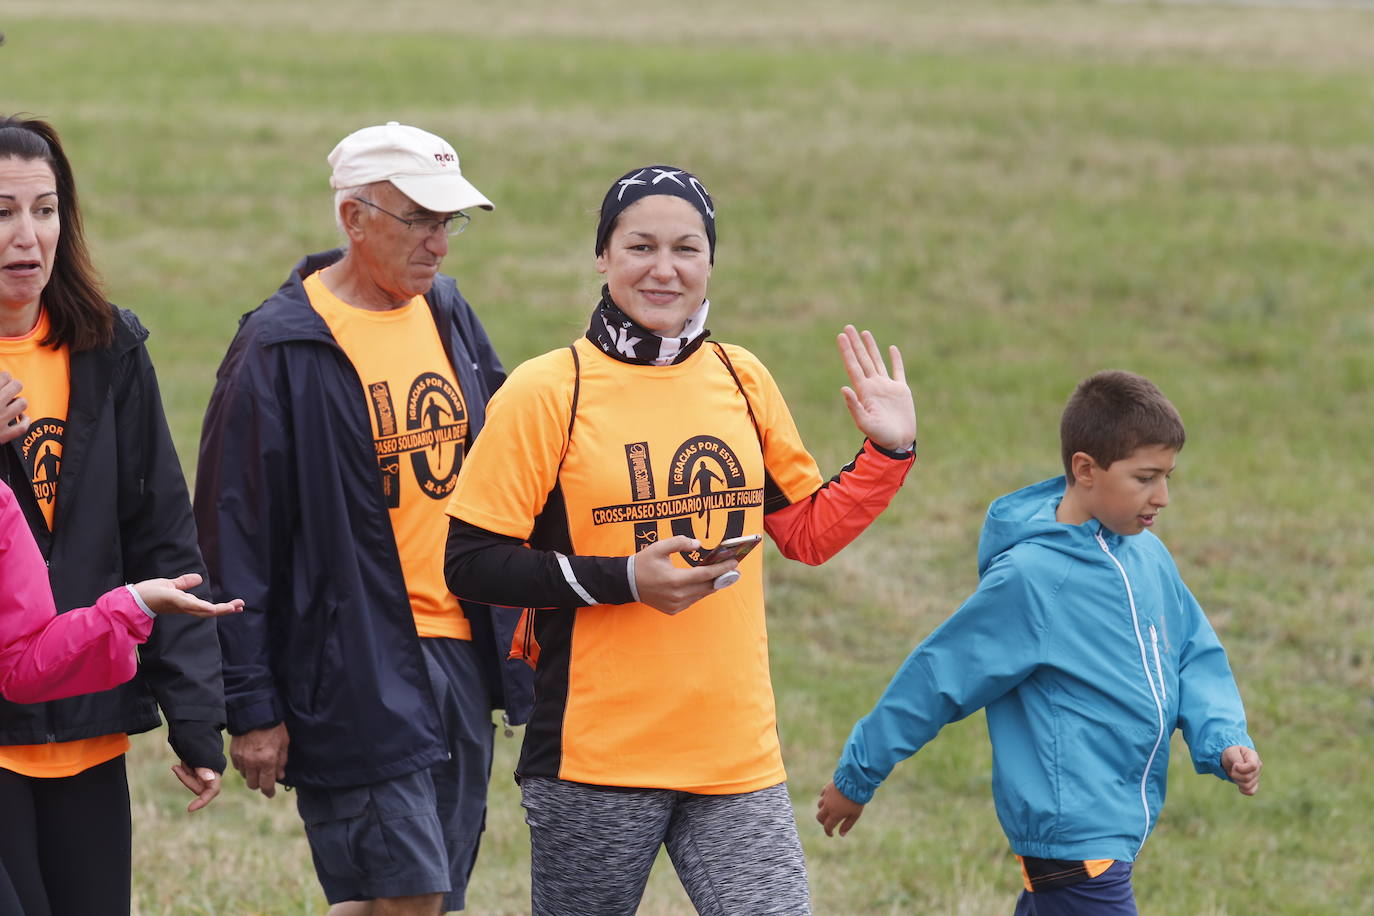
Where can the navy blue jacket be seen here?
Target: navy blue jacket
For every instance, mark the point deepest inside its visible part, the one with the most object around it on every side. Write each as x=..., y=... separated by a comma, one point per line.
x=293, y=519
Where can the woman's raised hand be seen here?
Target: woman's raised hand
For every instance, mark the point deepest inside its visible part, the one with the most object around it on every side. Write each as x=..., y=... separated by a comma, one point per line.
x=880, y=403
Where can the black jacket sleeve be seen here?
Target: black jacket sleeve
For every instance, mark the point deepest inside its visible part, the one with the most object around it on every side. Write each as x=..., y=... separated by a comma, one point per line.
x=483, y=353
x=480, y=565
x=244, y=513
x=181, y=660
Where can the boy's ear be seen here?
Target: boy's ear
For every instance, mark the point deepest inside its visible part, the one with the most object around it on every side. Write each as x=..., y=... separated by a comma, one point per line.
x=1084, y=467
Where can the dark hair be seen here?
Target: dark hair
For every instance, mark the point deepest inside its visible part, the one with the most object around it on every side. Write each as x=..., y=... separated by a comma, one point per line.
x=78, y=313
x=1113, y=413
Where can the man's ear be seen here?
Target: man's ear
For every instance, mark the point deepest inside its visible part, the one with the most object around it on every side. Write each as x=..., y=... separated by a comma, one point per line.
x=1084, y=468
x=351, y=215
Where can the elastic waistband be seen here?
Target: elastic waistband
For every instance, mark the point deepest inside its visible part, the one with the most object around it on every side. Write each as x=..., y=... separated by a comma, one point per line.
x=1048, y=874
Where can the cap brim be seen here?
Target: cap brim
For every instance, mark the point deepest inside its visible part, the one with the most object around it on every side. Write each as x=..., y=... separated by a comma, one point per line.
x=441, y=193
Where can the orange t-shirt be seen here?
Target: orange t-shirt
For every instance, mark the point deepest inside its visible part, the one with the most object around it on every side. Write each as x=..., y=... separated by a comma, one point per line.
x=626, y=695
x=420, y=431
x=46, y=374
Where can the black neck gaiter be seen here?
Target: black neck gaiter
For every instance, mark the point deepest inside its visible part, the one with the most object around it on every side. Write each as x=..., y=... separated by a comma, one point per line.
x=620, y=337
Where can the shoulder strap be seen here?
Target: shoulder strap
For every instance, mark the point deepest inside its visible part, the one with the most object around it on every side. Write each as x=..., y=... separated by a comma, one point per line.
x=525, y=643
x=730, y=367
x=572, y=413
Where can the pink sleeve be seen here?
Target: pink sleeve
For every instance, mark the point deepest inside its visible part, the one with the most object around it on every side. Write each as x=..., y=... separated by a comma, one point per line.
x=813, y=530
x=47, y=656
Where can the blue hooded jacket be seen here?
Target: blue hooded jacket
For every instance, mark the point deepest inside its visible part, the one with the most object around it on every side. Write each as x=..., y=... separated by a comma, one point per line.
x=1088, y=651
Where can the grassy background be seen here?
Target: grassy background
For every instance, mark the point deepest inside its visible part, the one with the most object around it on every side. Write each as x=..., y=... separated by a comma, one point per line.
x=1016, y=193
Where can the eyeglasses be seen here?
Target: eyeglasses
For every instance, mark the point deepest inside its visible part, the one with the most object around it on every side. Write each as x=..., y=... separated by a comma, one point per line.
x=453, y=224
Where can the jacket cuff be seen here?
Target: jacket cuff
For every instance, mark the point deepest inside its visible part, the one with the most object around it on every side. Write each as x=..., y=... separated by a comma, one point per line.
x=250, y=714
x=905, y=454
x=1209, y=761
x=197, y=742
x=852, y=790
x=142, y=605
x=125, y=605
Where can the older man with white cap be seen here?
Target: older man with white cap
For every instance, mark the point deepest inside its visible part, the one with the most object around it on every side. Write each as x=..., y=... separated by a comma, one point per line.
x=339, y=420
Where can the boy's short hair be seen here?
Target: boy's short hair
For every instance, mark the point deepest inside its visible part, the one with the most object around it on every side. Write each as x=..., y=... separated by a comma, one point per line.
x=1113, y=413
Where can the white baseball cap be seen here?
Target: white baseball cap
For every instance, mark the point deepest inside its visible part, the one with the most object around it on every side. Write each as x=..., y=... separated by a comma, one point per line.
x=422, y=166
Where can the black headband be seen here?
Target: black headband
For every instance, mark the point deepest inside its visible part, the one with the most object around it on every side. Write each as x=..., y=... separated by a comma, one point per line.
x=655, y=179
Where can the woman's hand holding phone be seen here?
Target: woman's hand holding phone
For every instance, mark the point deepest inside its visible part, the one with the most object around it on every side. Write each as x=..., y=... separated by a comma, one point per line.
x=730, y=549
x=671, y=589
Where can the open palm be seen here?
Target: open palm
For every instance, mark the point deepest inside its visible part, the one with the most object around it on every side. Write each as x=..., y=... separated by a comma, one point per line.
x=880, y=403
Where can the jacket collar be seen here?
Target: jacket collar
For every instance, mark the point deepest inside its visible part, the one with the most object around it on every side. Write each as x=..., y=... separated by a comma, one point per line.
x=287, y=315
x=92, y=378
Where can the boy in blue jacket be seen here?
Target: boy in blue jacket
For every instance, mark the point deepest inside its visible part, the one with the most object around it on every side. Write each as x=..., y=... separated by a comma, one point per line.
x=1087, y=650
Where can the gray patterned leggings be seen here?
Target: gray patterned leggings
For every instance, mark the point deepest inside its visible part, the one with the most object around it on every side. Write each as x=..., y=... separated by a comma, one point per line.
x=591, y=849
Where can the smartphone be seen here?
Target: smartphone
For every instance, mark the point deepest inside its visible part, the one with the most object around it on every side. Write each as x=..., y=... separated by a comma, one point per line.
x=730, y=549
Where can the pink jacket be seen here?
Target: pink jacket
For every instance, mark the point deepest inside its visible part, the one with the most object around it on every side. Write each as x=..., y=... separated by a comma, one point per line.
x=45, y=655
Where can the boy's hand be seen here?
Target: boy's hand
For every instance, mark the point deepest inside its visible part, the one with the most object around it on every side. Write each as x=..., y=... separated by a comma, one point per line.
x=833, y=808
x=1242, y=764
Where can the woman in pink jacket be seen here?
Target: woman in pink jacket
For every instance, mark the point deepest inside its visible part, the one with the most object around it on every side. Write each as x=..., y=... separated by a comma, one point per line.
x=45, y=655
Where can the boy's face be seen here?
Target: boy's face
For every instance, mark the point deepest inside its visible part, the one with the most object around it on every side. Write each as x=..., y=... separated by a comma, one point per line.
x=1127, y=496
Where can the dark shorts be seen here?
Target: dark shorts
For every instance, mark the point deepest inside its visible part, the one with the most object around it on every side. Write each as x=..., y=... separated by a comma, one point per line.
x=1109, y=894
x=418, y=833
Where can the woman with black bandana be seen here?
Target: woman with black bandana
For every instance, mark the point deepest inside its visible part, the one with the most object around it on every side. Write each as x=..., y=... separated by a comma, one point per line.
x=605, y=472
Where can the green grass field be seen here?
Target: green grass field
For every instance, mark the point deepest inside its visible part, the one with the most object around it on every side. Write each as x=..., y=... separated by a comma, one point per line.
x=1016, y=193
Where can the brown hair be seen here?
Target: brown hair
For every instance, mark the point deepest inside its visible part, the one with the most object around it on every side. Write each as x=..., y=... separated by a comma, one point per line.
x=1113, y=413
x=77, y=310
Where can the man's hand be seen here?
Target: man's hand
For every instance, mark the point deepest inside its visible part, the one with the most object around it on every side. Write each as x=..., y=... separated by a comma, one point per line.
x=1243, y=765
x=261, y=757
x=880, y=404
x=202, y=781
x=667, y=588
x=834, y=808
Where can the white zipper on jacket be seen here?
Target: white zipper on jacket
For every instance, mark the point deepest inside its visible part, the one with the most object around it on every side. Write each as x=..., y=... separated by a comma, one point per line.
x=1159, y=669
x=1149, y=678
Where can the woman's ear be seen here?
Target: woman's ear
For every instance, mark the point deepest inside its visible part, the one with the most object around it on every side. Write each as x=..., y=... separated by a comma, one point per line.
x=601, y=264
